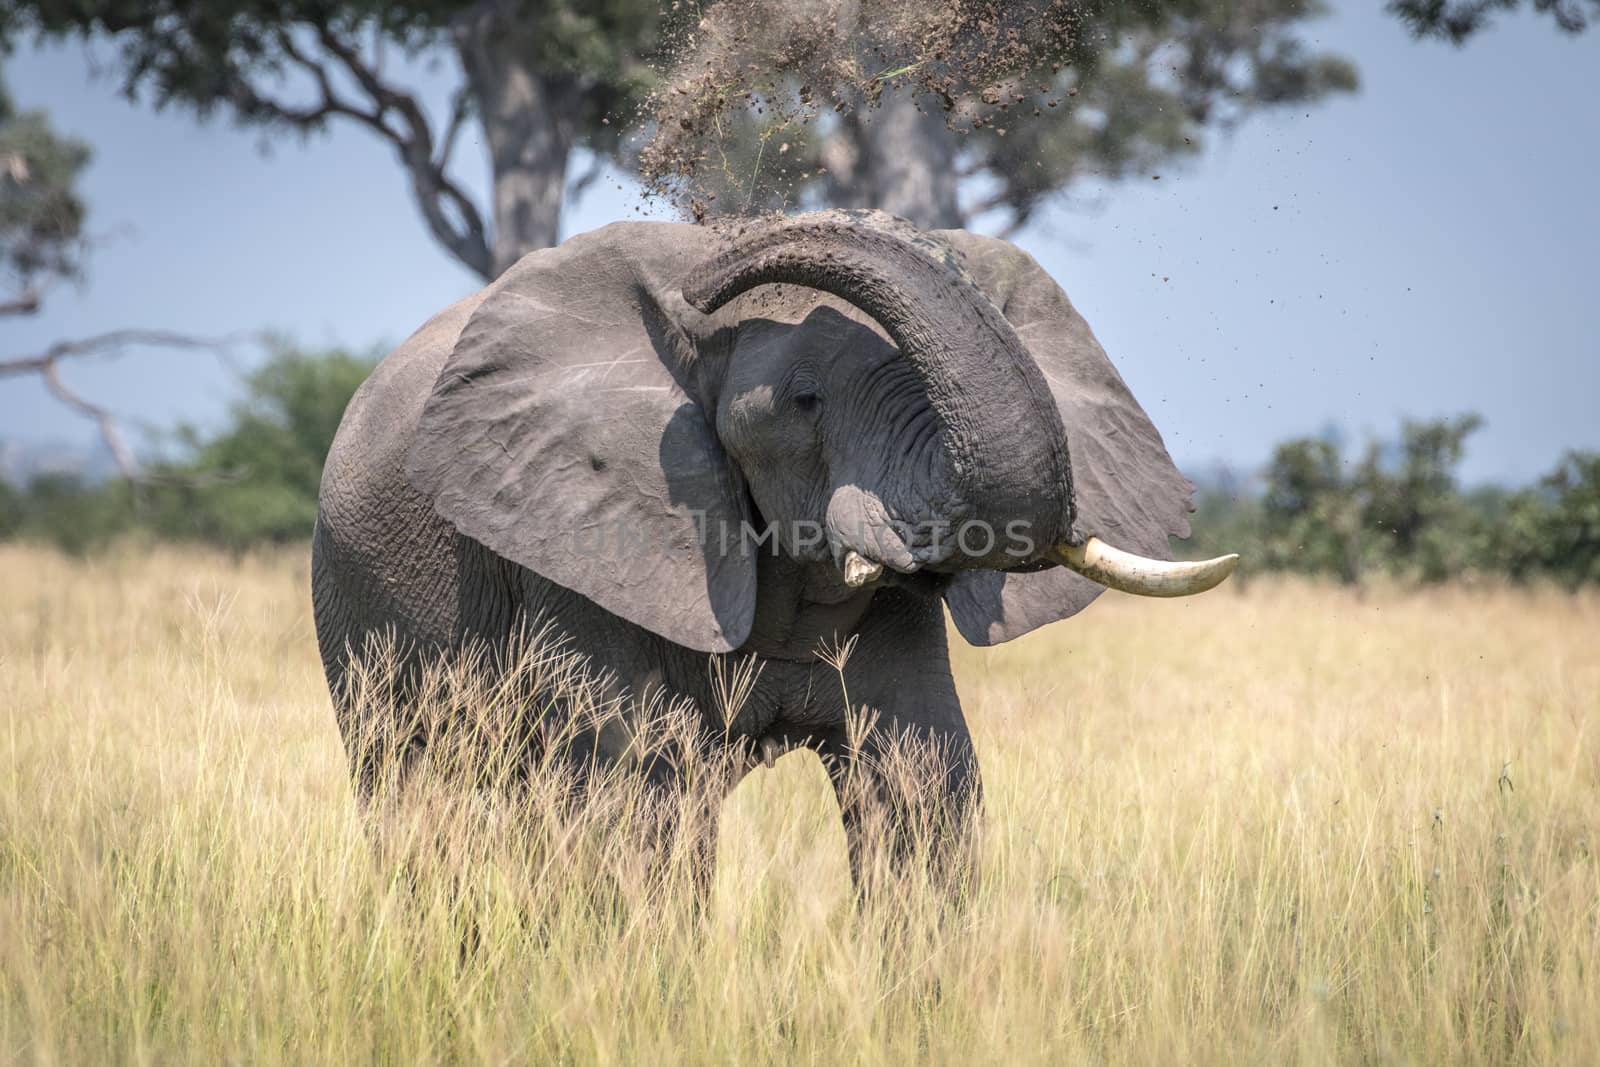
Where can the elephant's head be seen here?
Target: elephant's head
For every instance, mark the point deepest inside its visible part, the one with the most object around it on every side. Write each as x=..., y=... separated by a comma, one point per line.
x=638, y=413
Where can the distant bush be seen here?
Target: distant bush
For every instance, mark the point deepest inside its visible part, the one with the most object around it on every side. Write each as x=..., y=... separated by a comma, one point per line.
x=252, y=483
x=1397, y=509
x=1563, y=514
x=65, y=510
x=257, y=480
x=1400, y=511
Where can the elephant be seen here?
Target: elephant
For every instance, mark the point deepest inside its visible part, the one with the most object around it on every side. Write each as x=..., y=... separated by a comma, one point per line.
x=845, y=393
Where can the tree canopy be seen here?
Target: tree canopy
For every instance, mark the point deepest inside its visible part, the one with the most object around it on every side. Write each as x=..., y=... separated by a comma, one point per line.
x=41, y=211
x=1457, y=20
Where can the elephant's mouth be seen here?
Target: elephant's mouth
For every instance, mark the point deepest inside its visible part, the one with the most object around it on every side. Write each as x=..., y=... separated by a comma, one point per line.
x=858, y=570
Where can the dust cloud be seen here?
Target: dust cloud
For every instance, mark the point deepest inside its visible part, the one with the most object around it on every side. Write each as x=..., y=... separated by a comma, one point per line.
x=753, y=86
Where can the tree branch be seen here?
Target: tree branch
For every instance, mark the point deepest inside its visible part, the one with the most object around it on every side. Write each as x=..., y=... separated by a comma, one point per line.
x=996, y=202
x=332, y=103
x=466, y=238
x=48, y=366
x=25, y=303
x=394, y=115
x=590, y=175
x=460, y=105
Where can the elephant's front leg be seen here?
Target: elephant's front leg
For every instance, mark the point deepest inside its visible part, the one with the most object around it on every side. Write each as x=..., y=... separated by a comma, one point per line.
x=909, y=796
x=902, y=760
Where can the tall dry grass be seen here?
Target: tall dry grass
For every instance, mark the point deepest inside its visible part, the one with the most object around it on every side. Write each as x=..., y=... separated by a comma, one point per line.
x=1285, y=826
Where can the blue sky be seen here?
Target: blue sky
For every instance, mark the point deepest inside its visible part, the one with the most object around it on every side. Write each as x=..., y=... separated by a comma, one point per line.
x=1422, y=248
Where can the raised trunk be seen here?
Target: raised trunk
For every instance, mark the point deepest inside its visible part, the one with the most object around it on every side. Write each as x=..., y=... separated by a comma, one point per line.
x=1001, y=429
x=527, y=124
x=898, y=157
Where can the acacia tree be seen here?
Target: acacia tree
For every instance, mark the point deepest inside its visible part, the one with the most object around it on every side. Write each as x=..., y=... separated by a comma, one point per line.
x=1127, y=86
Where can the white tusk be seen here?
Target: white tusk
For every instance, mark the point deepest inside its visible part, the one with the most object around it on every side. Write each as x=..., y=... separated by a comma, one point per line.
x=1116, y=569
x=859, y=570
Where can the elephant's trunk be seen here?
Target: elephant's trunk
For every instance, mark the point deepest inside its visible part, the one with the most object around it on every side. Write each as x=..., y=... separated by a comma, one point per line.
x=1001, y=427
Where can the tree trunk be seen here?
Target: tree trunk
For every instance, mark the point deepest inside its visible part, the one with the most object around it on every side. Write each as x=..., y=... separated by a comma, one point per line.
x=898, y=158
x=528, y=125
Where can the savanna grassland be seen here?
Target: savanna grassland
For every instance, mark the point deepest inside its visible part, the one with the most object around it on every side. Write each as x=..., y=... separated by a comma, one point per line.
x=1275, y=824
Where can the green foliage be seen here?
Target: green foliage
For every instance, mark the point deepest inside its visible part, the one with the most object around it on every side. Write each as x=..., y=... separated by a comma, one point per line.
x=1399, y=510
x=255, y=482
x=41, y=214
x=1310, y=513
x=1412, y=500
x=66, y=511
x=10, y=510
x=1565, y=514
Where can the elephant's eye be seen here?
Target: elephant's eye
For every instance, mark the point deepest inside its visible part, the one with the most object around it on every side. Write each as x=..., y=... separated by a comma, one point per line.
x=807, y=401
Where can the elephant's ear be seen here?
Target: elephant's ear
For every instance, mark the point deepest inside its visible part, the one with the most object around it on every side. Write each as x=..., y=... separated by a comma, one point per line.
x=566, y=434
x=1128, y=490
